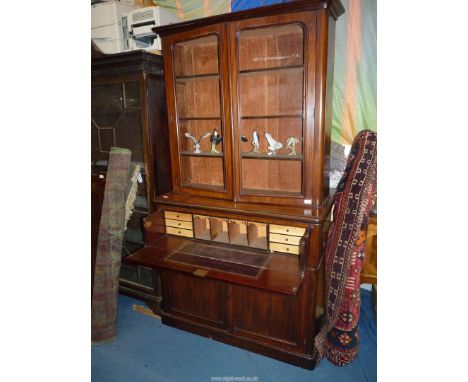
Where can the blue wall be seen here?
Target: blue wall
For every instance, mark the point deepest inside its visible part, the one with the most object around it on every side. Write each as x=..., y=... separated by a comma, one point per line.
x=239, y=5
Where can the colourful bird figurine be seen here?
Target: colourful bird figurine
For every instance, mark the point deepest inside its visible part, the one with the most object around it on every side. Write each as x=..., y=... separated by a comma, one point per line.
x=215, y=139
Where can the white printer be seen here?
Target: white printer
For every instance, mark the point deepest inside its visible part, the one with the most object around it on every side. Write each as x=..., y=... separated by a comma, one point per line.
x=140, y=23
x=109, y=28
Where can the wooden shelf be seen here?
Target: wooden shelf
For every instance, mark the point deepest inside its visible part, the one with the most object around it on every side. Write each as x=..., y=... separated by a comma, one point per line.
x=260, y=191
x=197, y=76
x=272, y=116
x=204, y=186
x=199, y=118
x=277, y=69
x=271, y=157
x=203, y=154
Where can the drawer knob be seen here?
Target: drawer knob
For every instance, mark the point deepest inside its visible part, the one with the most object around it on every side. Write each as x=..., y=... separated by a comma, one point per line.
x=287, y=239
x=178, y=223
x=287, y=249
x=177, y=215
x=287, y=229
x=181, y=232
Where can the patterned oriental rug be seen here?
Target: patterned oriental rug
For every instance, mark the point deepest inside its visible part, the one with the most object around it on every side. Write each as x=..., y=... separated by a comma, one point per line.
x=338, y=338
x=117, y=207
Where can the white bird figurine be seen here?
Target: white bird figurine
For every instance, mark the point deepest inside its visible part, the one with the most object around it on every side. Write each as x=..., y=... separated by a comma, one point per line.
x=273, y=144
x=291, y=144
x=197, y=143
x=255, y=143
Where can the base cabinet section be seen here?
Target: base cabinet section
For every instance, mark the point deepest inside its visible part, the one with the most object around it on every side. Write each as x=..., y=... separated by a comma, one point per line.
x=257, y=320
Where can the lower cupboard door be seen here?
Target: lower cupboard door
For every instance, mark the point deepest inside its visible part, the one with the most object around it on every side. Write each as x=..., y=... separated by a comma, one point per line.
x=196, y=299
x=268, y=317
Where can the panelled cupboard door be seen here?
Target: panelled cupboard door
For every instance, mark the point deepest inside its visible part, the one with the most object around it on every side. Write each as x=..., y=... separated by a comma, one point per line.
x=272, y=75
x=196, y=65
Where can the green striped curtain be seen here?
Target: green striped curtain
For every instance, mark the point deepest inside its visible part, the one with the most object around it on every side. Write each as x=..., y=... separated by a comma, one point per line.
x=355, y=82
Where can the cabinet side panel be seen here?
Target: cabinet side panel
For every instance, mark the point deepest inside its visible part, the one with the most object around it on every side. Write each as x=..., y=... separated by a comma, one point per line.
x=328, y=105
x=157, y=121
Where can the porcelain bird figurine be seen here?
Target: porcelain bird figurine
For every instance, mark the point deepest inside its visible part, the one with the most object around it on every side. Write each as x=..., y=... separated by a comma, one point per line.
x=255, y=143
x=291, y=144
x=215, y=139
x=197, y=143
x=273, y=145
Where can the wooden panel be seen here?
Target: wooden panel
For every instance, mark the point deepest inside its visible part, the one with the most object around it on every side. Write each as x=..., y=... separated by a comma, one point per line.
x=177, y=216
x=270, y=317
x=238, y=232
x=369, y=269
x=287, y=230
x=276, y=46
x=179, y=232
x=257, y=235
x=202, y=299
x=266, y=176
x=284, y=248
x=204, y=172
x=219, y=230
x=179, y=224
x=202, y=227
x=285, y=239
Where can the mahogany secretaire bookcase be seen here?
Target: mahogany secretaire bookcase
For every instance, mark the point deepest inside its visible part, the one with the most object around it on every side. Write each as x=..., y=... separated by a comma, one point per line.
x=239, y=240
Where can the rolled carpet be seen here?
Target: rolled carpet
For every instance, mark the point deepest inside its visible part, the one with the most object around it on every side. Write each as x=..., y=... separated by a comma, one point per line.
x=119, y=197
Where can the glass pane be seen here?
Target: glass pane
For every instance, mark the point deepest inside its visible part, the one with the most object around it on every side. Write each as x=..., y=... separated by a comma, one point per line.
x=204, y=172
x=197, y=129
x=129, y=272
x=198, y=102
x=272, y=176
x=271, y=47
x=128, y=133
x=271, y=94
x=106, y=140
x=276, y=92
x=134, y=229
x=280, y=129
x=146, y=276
x=196, y=57
x=115, y=122
x=198, y=97
x=106, y=103
x=132, y=94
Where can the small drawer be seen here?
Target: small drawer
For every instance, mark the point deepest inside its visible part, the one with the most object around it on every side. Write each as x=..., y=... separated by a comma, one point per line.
x=285, y=248
x=291, y=240
x=178, y=224
x=287, y=230
x=179, y=231
x=177, y=216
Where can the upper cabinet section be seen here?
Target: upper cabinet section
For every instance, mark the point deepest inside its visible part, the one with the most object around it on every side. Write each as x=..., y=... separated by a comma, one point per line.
x=199, y=128
x=246, y=100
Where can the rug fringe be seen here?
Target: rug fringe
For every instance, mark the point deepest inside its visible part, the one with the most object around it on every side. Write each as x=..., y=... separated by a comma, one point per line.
x=132, y=192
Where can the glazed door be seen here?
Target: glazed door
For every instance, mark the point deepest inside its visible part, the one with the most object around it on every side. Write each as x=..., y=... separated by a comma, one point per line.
x=271, y=86
x=200, y=141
